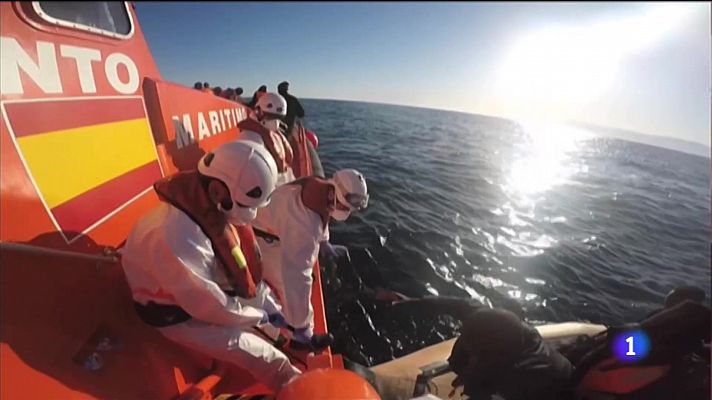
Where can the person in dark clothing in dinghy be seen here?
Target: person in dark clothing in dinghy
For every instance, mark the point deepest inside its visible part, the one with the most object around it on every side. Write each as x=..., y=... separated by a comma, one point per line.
x=498, y=353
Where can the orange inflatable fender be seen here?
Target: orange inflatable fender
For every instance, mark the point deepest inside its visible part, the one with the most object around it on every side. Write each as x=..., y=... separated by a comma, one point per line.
x=311, y=136
x=328, y=384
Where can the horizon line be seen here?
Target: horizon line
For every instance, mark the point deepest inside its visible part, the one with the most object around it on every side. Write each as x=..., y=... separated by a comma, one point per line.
x=513, y=119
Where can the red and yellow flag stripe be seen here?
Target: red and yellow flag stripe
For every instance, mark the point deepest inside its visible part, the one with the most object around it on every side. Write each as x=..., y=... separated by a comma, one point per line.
x=87, y=157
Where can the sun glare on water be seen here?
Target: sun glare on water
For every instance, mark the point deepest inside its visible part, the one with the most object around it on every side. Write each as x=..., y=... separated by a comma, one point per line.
x=546, y=158
x=546, y=155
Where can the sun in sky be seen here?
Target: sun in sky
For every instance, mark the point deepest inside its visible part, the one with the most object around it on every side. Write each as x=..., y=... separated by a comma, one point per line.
x=554, y=73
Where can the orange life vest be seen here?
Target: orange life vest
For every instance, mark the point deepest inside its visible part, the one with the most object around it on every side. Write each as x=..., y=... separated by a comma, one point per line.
x=301, y=162
x=276, y=143
x=318, y=195
x=235, y=247
x=608, y=377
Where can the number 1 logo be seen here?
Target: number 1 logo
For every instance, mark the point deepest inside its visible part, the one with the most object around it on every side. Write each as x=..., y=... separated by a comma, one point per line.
x=631, y=346
x=630, y=341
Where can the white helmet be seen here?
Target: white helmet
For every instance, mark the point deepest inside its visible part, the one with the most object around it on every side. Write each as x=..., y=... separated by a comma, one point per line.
x=272, y=105
x=248, y=171
x=351, y=192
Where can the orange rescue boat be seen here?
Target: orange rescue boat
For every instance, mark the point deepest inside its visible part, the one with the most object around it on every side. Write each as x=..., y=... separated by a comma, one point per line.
x=87, y=126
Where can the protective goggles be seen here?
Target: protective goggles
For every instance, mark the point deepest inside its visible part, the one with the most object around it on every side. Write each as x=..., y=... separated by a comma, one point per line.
x=354, y=201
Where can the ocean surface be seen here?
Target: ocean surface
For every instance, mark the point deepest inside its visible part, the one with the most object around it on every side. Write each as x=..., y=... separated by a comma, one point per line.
x=571, y=226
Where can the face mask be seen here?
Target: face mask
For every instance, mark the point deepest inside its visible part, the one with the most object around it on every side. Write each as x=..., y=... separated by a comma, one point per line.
x=271, y=124
x=340, y=215
x=239, y=216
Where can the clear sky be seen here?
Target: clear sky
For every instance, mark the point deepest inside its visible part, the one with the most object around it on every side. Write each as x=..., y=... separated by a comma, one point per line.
x=638, y=66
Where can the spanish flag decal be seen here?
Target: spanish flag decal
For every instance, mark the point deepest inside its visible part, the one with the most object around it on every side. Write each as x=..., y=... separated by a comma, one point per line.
x=88, y=157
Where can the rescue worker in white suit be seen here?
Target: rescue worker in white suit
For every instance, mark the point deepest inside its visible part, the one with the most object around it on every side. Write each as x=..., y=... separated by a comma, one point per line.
x=189, y=268
x=267, y=129
x=290, y=232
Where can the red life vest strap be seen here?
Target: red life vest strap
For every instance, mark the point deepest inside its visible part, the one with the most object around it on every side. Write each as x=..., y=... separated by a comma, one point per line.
x=318, y=195
x=274, y=142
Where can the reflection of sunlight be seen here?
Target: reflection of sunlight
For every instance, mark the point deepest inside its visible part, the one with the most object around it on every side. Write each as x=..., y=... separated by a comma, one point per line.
x=559, y=69
x=546, y=161
x=545, y=157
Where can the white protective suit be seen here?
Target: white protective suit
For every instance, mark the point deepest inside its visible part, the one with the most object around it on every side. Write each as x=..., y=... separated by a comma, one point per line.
x=289, y=261
x=169, y=260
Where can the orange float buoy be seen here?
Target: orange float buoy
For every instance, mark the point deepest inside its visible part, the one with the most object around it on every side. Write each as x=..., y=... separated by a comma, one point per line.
x=328, y=384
